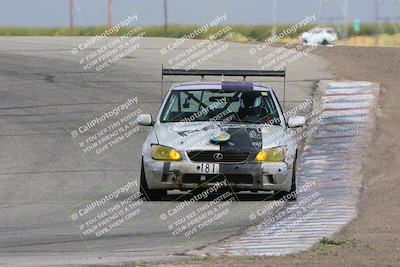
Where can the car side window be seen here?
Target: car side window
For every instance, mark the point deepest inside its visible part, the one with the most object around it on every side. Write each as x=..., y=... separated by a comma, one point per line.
x=267, y=104
x=171, y=107
x=173, y=104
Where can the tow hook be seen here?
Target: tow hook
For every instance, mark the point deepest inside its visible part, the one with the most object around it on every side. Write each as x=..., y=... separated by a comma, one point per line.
x=177, y=176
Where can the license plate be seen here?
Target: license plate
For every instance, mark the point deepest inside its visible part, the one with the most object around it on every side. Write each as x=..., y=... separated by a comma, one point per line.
x=209, y=168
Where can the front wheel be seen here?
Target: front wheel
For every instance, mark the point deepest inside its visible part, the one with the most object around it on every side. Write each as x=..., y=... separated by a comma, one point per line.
x=324, y=42
x=149, y=194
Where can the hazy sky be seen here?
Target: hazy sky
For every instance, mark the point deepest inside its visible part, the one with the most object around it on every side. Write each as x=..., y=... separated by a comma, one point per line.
x=94, y=12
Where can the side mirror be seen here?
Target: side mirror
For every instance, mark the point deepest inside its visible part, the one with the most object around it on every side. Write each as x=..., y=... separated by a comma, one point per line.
x=296, y=121
x=145, y=120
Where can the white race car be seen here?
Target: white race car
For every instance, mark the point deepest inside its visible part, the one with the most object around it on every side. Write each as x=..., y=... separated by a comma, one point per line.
x=209, y=132
x=319, y=36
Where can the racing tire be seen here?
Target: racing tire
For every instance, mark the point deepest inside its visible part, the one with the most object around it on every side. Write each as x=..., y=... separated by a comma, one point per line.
x=149, y=194
x=324, y=42
x=293, y=187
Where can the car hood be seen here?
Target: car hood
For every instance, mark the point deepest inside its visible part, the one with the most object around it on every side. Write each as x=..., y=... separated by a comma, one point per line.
x=197, y=135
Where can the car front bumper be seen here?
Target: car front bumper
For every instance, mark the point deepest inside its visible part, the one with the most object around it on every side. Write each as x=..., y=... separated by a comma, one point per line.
x=186, y=175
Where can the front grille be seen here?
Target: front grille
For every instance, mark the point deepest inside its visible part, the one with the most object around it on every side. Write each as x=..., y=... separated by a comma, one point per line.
x=211, y=156
x=195, y=178
x=213, y=178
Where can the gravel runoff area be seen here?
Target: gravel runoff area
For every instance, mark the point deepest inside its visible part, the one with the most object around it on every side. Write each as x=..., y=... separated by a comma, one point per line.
x=373, y=239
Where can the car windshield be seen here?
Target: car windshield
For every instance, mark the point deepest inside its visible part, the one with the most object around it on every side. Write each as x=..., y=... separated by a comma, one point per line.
x=218, y=105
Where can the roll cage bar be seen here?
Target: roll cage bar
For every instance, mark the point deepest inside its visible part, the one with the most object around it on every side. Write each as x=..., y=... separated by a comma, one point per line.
x=224, y=72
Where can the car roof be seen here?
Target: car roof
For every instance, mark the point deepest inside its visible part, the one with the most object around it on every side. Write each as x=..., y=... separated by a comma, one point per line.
x=221, y=85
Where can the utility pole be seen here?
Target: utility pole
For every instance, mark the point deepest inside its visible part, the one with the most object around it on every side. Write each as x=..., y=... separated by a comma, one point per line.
x=71, y=17
x=377, y=20
x=380, y=18
x=342, y=19
x=165, y=17
x=274, y=17
x=345, y=10
x=321, y=11
x=109, y=13
x=397, y=19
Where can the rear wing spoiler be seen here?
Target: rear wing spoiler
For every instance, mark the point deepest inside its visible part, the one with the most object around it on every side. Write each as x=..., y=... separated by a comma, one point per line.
x=220, y=72
x=242, y=73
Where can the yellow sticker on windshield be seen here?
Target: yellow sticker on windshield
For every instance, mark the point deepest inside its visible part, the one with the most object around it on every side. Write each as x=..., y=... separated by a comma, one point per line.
x=264, y=93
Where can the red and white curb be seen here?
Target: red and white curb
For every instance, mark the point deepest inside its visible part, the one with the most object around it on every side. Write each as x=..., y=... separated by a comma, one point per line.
x=332, y=160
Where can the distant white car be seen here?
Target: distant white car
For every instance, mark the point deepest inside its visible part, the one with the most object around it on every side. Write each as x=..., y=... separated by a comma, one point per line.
x=319, y=36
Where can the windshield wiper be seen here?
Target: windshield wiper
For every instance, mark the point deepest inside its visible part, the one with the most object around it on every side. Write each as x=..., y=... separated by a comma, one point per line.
x=255, y=122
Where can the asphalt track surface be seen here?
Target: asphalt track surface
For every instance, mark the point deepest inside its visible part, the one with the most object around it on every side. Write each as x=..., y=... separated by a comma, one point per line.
x=43, y=91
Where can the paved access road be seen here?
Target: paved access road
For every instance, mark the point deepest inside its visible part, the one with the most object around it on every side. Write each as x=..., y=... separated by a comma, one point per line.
x=43, y=91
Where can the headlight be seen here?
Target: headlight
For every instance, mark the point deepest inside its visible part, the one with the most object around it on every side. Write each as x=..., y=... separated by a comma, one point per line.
x=274, y=154
x=164, y=153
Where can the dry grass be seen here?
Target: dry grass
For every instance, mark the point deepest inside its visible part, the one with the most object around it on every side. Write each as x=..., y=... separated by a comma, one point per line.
x=383, y=40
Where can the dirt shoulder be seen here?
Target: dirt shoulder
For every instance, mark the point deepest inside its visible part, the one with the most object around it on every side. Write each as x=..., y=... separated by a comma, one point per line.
x=374, y=237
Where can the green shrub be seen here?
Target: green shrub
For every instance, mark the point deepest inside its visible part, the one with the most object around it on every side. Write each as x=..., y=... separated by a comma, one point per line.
x=248, y=32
